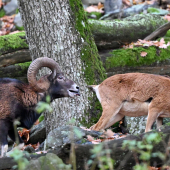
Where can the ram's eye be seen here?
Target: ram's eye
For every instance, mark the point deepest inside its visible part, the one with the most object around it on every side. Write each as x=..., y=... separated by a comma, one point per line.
x=60, y=77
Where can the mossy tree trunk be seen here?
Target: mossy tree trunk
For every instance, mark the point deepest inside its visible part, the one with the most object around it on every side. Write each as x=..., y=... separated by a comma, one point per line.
x=59, y=29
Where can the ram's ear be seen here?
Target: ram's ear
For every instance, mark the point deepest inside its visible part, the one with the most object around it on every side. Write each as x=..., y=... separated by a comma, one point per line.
x=44, y=83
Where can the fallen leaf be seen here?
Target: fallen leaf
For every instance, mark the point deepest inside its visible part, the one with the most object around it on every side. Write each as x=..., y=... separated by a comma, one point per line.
x=41, y=152
x=143, y=54
x=93, y=8
x=14, y=32
x=109, y=133
x=166, y=17
x=100, y=5
x=96, y=141
x=90, y=138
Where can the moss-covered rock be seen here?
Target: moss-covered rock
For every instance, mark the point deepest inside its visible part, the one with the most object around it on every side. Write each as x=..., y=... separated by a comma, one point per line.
x=132, y=56
x=49, y=161
x=12, y=42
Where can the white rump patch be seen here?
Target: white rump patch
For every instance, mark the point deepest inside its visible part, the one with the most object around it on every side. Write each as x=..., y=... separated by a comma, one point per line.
x=96, y=89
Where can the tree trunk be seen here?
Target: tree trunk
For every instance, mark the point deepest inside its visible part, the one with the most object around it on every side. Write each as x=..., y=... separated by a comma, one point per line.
x=59, y=29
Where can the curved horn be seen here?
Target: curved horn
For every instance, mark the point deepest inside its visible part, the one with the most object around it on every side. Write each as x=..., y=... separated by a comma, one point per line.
x=33, y=70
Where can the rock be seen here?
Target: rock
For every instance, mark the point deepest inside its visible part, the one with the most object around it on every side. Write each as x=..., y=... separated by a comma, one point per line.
x=38, y=133
x=94, y=2
x=83, y=142
x=157, y=11
x=50, y=161
x=135, y=9
x=112, y=5
x=18, y=21
x=68, y=134
x=1, y=23
x=29, y=149
x=41, y=147
x=5, y=1
x=136, y=125
x=63, y=135
x=11, y=7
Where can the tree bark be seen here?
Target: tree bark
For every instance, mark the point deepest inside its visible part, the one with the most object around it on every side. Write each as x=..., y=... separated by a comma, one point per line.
x=59, y=29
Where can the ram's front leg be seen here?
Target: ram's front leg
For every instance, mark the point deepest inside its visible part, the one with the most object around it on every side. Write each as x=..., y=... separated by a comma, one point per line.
x=110, y=115
x=13, y=137
x=3, y=138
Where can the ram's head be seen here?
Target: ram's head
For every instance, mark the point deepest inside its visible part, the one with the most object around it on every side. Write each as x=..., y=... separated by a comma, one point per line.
x=56, y=84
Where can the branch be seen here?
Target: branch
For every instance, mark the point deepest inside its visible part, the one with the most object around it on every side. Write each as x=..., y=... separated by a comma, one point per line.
x=161, y=31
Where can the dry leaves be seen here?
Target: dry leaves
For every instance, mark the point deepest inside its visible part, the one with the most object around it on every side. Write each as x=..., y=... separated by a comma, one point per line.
x=24, y=134
x=95, y=8
x=144, y=43
x=8, y=24
x=126, y=2
x=143, y=54
x=167, y=17
x=107, y=136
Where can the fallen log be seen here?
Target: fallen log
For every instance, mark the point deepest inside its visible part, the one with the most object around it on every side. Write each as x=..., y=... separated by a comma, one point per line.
x=115, y=34
x=107, y=35
x=15, y=57
x=18, y=71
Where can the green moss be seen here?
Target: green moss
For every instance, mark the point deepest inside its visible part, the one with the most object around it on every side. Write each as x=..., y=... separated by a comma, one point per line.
x=24, y=65
x=17, y=11
x=12, y=42
x=132, y=57
x=23, y=70
x=151, y=10
x=94, y=69
x=97, y=109
x=167, y=34
x=97, y=14
x=20, y=28
x=2, y=13
x=168, y=124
